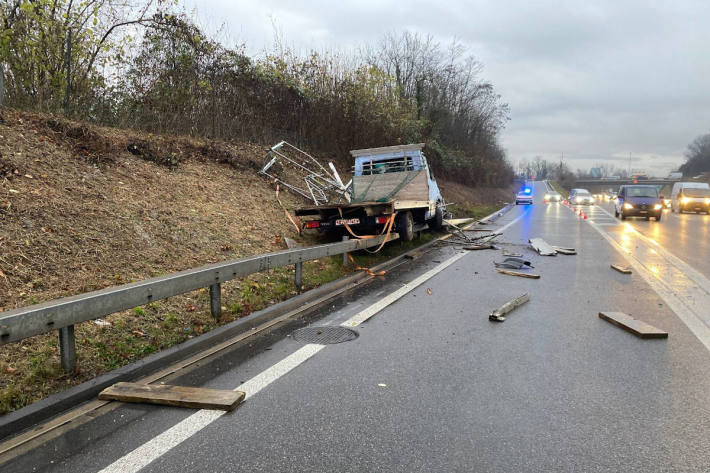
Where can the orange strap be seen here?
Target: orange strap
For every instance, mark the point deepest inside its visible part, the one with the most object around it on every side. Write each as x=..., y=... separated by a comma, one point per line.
x=298, y=227
x=366, y=237
x=369, y=271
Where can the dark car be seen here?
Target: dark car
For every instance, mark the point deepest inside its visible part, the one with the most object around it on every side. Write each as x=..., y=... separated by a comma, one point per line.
x=638, y=201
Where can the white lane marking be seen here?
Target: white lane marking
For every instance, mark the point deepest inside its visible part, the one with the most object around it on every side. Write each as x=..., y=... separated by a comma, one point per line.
x=691, y=272
x=158, y=446
x=687, y=301
x=174, y=436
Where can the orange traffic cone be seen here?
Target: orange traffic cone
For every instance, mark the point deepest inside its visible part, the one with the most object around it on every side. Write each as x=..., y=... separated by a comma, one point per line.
x=585, y=216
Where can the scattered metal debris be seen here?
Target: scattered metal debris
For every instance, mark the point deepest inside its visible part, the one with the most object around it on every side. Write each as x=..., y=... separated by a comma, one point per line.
x=498, y=315
x=302, y=173
x=513, y=263
x=621, y=269
x=542, y=247
x=517, y=255
x=519, y=274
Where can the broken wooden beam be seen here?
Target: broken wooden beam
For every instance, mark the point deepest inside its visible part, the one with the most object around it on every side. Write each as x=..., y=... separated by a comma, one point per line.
x=631, y=325
x=621, y=269
x=519, y=274
x=542, y=247
x=177, y=396
x=498, y=315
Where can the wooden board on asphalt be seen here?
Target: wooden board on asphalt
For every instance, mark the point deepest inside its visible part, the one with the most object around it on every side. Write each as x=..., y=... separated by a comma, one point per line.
x=519, y=274
x=542, y=247
x=621, y=269
x=178, y=396
x=565, y=251
x=631, y=325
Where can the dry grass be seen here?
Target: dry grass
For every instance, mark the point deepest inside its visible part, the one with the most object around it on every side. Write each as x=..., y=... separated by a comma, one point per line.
x=85, y=207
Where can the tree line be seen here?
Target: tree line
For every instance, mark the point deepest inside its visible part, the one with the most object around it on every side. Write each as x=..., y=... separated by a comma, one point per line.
x=697, y=156
x=144, y=65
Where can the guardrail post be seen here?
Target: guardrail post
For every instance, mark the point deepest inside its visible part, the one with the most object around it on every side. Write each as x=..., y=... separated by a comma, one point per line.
x=67, y=348
x=216, y=300
x=299, y=276
x=345, y=255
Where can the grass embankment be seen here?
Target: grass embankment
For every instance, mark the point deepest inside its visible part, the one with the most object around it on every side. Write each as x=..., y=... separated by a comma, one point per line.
x=85, y=207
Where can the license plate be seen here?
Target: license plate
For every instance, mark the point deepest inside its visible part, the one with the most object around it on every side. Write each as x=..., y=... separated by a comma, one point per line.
x=350, y=221
x=644, y=211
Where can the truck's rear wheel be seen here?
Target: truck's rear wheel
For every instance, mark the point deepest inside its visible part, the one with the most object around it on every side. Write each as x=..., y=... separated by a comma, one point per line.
x=437, y=223
x=405, y=226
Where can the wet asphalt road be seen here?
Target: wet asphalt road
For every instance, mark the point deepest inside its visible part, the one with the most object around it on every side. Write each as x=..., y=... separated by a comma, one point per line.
x=432, y=385
x=686, y=235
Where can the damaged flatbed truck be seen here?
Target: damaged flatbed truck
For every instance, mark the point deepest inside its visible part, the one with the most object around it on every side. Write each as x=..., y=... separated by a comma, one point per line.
x=393, y=182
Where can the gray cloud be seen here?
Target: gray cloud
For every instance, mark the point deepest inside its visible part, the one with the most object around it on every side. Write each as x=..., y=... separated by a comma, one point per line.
x=592, y=80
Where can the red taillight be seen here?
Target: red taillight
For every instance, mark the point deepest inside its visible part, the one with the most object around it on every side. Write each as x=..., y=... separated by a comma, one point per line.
x=382, y=220
x=313, y=224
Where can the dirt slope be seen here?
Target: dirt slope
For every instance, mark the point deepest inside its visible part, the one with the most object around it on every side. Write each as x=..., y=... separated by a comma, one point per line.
x=79, y=211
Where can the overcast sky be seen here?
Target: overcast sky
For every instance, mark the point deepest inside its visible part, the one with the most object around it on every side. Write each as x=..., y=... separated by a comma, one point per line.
x=593, y=80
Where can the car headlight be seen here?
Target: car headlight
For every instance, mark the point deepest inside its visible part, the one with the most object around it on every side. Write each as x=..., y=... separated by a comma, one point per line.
x=578, y=199
x=657, y=207
x=707, y=201
x=547, y=196
x=628, y=206
x=685, y=200
x=591, y=200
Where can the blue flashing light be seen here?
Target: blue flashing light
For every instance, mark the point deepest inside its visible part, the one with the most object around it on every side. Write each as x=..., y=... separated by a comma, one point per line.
x=527, y=190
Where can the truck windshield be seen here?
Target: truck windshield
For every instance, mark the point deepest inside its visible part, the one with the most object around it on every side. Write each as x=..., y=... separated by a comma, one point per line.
x=696, y=192
x=387, y=166
x=641, y=192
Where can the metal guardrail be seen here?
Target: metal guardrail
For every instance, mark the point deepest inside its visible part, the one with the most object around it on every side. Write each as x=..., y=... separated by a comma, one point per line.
x=62, y=314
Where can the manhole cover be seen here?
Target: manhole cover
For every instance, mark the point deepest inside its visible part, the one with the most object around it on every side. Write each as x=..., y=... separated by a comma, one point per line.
x=324, y=335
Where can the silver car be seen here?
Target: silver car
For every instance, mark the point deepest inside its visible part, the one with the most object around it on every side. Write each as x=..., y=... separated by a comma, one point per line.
x=581, y=197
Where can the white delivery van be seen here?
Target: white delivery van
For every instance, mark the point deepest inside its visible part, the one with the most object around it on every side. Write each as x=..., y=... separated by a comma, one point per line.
x=693, y=196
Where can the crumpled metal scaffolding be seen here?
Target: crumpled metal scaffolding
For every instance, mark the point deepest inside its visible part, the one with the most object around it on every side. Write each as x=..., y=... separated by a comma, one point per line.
x=300, y=172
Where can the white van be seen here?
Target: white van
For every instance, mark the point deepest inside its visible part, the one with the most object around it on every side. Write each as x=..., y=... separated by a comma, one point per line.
x=694, y=196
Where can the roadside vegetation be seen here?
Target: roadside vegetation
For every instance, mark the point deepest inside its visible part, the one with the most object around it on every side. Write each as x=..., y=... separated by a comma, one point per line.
x=150, y=165
x=146, y=65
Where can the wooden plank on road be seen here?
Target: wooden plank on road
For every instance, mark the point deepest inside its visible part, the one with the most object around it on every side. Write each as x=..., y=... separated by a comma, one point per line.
x=621, y=269
x=631, y=325
x=519, y=274
x=178, y=396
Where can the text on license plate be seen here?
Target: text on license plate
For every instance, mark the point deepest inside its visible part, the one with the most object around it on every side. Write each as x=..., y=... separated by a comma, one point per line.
x=349, y=221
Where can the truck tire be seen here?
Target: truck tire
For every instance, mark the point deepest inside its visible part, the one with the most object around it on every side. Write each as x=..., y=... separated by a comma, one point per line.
x=437, y=223
x=405, y=226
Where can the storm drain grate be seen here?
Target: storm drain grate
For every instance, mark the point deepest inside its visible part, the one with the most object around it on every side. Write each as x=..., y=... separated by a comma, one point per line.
x=325, y=335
